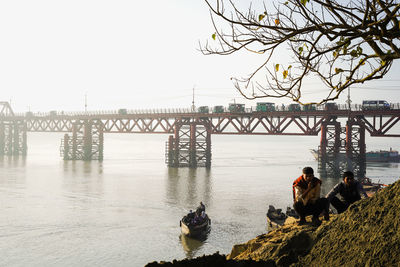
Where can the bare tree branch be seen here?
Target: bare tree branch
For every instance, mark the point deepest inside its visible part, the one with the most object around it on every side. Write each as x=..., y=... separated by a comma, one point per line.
x=341, y=42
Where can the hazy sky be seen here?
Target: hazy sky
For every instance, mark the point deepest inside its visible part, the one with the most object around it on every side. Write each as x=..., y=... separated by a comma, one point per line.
x=124, y=54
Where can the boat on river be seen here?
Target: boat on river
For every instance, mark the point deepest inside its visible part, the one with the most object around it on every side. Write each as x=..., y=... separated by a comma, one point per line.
x=371, y=187
x=195, y=227
x=370, y=156
x=383, y=156
x=276, y=218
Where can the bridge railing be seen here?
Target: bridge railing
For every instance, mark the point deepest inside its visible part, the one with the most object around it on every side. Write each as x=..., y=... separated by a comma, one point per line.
x=353, y=107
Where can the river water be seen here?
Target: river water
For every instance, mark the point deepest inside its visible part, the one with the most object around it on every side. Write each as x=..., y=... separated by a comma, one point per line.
x=125, y=211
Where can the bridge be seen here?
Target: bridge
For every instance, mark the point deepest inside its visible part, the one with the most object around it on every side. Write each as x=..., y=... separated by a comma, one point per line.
x=189, y=142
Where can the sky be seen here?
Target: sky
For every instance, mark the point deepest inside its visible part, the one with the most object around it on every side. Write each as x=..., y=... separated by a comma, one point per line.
x=126, y=54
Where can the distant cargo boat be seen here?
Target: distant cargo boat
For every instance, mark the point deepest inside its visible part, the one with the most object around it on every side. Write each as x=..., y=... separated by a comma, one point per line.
x=373, y=156
x=383, y=156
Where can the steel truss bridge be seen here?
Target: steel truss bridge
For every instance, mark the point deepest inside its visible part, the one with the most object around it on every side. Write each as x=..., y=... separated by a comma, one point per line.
x=377, y=122
x=186, y=128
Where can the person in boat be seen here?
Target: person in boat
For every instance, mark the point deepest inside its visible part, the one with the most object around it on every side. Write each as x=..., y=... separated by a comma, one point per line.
x=306, y=197
x=349, y=190
x=202, y=207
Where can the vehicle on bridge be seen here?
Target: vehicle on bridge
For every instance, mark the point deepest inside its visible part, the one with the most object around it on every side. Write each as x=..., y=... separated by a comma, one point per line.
x=53, y=113
x=218, y=109
x=331, y=106
x=233, y=107
x=122, y=111
x=294, y=107
x=309, y=107
x=203, y=109
x=265, y=106
x=375, y=105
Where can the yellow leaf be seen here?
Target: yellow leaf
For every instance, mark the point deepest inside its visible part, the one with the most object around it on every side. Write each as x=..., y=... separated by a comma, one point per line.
x=213, y=36
x=285, y=74
x=277, y=67
x=338, y=70
x=261, y=17
x=277, y=21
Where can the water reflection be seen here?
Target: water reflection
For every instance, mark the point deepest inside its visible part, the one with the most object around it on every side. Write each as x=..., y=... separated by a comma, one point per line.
x=383, y=165
x=191, y=246
x=187, y=187
x=13, y=171
x=83, y=167
x=13, y=161
x=83, y=178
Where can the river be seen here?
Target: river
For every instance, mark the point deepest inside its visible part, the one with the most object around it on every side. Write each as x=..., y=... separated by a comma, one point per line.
x=125, y=210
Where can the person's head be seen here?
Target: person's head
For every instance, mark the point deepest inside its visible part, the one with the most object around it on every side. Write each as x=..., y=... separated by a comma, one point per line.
x=348, y=177
x=308, y=173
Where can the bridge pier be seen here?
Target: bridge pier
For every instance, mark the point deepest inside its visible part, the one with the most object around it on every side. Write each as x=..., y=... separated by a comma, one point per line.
x=86, y=142
x=13, y=138
x=190, y=146
x=342, y=148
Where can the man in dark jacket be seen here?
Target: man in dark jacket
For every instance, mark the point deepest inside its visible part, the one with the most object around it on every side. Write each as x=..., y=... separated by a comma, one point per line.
x=306, y=197
x=350, y=191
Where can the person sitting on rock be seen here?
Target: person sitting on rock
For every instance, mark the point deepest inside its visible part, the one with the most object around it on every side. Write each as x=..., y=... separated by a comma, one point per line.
x=306, y=196
x=350, y=191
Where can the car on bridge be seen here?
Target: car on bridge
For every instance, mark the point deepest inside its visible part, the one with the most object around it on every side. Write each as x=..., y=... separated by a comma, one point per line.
x=375, y=105
x=203, y=109
x=218, y=109
x=294, y=107
x=236, y=107
x=331, y=106
x=122, y=111
x=308, y=107
x=265, y=106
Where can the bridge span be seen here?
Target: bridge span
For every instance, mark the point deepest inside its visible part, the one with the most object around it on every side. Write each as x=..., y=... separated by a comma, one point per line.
x=377, y=122
x=189, y=143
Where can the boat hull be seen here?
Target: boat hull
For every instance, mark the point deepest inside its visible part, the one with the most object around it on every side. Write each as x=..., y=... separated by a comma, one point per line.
x=195, y=230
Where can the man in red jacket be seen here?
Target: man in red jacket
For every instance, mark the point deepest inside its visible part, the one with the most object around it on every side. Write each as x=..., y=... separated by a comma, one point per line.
x=306, y=197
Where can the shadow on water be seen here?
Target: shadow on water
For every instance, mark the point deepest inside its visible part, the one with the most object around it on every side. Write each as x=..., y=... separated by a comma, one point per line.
x=192, y=246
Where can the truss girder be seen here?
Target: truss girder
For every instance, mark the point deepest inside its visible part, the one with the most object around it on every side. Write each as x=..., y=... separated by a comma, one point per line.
x=5, y=109
x=380, y=125
x=251, y=124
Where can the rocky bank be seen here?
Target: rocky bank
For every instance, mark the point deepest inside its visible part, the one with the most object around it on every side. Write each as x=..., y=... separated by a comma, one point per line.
x=367, y=234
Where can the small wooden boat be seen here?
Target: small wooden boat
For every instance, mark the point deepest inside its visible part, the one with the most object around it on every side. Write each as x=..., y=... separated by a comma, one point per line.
x=195, y=228
x=276, y=218
x=370, y=187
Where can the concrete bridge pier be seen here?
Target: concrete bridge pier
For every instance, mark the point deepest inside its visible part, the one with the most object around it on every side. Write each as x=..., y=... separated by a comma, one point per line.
x=190, y=146
x=86, y=142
